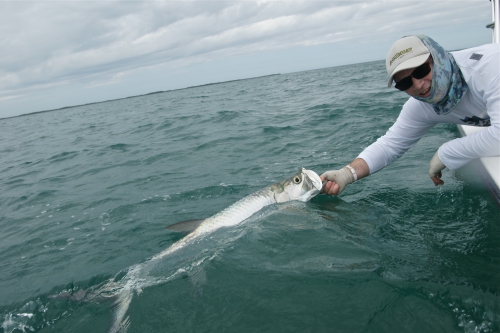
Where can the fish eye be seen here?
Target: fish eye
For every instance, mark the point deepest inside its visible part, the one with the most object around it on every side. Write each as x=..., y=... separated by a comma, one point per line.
x=296, y=180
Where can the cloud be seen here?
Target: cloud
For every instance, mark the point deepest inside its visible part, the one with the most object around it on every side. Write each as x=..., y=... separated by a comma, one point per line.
x=58, y=43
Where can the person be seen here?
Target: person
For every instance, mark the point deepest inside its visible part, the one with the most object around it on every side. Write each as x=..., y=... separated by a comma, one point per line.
x=461, y=87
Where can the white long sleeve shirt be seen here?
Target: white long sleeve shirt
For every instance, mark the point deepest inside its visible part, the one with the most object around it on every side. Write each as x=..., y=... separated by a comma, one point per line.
x=480, y=106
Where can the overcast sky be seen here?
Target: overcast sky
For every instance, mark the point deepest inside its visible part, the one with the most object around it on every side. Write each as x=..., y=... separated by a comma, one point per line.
x=55, y=54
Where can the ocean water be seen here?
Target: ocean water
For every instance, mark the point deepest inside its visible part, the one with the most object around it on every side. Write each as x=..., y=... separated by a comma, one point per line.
x=87, y=192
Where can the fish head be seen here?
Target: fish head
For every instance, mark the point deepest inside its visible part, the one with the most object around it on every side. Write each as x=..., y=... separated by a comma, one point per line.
x=303, y=186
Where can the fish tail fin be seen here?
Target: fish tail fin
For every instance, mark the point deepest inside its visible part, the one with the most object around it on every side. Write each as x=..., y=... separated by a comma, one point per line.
x=120, y=323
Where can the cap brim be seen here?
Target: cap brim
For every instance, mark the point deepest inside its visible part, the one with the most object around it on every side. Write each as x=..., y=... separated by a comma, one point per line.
x=410, y=63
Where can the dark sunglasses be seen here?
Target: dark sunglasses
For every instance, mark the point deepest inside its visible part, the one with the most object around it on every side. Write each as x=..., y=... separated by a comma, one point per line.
x=419, y=73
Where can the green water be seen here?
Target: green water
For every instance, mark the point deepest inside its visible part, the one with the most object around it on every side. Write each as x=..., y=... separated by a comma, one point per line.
x=87, y=192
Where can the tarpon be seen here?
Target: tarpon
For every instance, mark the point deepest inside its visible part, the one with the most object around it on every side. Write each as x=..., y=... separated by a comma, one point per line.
x=302, y=186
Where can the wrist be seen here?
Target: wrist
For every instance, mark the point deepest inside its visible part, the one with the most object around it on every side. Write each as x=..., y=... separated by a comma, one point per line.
x=353, y=173
x=435, y=165
x=345, y=177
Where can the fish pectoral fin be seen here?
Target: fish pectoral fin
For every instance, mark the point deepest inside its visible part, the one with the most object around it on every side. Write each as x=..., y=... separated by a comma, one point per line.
x=185, y=226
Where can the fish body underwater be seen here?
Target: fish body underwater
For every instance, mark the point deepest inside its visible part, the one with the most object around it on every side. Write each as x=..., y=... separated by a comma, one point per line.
x=302, y=186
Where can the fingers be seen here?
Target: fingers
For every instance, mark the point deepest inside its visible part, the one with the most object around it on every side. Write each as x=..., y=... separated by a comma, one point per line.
x=437, y=179
x=331, y=188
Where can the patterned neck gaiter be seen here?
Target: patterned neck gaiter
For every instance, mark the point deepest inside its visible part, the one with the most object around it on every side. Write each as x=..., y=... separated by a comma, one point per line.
x=448, y=84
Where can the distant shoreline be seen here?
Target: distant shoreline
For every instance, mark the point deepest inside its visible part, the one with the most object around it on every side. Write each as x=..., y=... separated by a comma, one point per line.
x=151, y=93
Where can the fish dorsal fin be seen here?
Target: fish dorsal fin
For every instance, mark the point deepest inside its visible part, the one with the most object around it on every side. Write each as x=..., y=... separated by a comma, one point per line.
x=185, y=226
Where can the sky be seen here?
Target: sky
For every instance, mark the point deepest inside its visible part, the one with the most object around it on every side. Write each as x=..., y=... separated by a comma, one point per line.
x=55, y=54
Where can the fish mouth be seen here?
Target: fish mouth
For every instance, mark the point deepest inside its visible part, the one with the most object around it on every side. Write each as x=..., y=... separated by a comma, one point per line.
x=315, y=180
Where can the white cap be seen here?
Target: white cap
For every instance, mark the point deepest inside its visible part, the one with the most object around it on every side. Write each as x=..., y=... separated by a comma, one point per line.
x=408, y=52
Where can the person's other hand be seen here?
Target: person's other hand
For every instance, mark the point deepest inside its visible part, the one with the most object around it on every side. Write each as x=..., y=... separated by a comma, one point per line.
x=435, y=170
